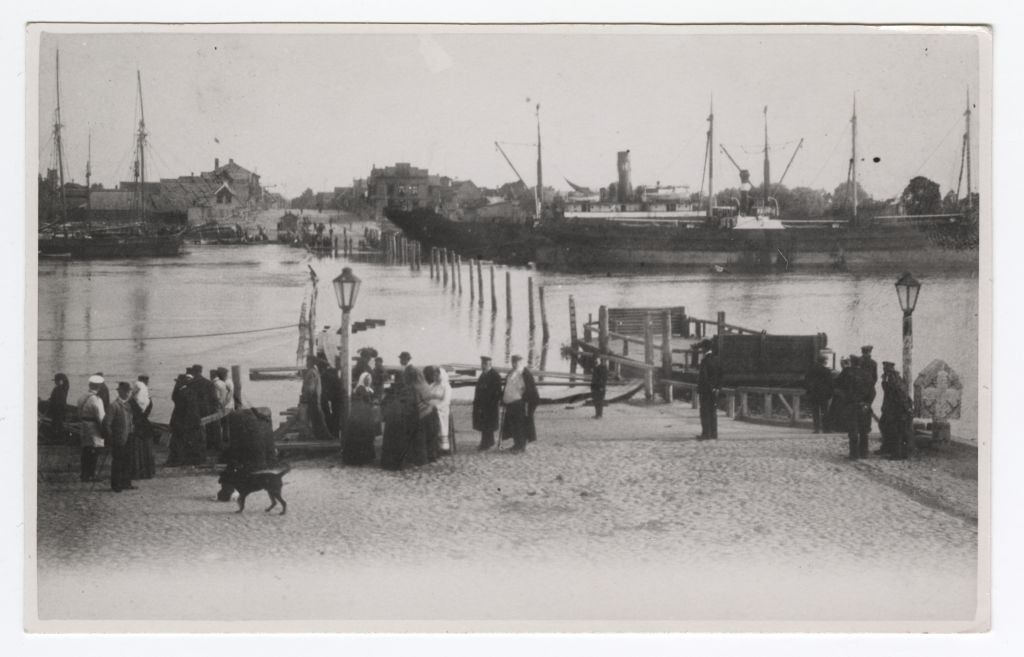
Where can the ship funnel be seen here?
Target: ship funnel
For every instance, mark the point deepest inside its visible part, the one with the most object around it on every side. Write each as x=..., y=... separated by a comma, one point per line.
x=625, y=191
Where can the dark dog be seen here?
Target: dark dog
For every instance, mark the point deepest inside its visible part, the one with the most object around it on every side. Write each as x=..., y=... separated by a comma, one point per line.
x=246, y=482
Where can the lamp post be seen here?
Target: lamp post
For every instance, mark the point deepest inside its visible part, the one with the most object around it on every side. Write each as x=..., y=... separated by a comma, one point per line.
x=346, y=289
x=907, y=289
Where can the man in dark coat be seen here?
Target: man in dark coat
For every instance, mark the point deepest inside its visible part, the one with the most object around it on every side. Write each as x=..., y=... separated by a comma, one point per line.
x=818, y=384
x=520, y=398
x=208, y=404
x=854, y=389
x=187, y=446
x=709, y=381
x=330, y=387
x=486, y=403
x=871, y=367
x=599, y=386
x=897, y=421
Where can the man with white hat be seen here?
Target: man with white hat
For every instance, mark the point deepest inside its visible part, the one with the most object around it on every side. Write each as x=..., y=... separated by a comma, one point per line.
x=91, y=414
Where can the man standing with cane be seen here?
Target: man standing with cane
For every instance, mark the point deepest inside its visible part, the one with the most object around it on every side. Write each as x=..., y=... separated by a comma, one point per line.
x=708, y=383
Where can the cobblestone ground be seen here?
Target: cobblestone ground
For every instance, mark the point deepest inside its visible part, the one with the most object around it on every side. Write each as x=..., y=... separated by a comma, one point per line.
x=624, y=518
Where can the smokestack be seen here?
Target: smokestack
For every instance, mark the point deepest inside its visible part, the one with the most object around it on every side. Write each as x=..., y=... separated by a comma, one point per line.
x=216, y=163
x=625, y=191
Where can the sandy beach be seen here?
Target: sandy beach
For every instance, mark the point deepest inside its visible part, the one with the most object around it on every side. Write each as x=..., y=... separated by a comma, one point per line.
x=608, y=522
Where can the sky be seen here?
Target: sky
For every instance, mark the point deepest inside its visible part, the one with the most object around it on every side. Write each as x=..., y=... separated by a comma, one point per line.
x=320, y=106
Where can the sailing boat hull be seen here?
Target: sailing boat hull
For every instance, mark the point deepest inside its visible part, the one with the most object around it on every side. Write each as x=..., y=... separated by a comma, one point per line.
x=135, y=246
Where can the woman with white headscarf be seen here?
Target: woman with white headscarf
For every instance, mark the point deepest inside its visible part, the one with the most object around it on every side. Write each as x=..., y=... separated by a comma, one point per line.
x=361, y=428
x=443, y=402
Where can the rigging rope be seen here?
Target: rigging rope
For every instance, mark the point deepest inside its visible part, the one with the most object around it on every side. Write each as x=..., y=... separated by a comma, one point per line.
x=170, y=337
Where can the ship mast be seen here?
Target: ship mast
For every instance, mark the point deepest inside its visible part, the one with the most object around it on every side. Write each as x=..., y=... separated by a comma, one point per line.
x=140, y=155
x=767, y=167
x=59, y=146
x=539, y=196
x=853, y=158
x=88, y=178
x=967, y=147
x=711, y=160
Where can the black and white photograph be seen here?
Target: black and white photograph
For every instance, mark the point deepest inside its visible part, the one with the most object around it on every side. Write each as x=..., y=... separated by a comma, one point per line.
x=508, y=328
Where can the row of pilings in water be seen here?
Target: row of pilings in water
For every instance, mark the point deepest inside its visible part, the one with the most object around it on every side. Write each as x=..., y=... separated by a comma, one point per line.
x=458, y=274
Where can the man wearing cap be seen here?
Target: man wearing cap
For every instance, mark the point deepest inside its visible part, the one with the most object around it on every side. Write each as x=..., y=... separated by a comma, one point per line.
x=709, y=381
x=896, y=422
x=818, y=384
x=871, y=367
x=120, y=429
x=91, y=414
x=486, y=403
x=854, y=388
x=520, y=398
x=599, y=386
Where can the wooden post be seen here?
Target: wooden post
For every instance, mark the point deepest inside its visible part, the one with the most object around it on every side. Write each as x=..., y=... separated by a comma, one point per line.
x=480, y=281
x=444, y=266
x=648, y=356
x=458, y=270
x=625, y=347
x=574, y=338
x=546, y=334
x=796, y=409
x=472, y=287
x=602, y=329
x=529, y=296
x=494, y=296
x=686, y=324
x=768, y=405
x=508, y=294
x=744, y=404
x=236, y=379
x=730, y=401
x=588, y=334
x=721, y=322
x=335, y=246
x=666, y=352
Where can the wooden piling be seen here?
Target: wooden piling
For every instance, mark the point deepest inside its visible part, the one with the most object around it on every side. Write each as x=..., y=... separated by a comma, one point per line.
x=602, y=329
x=529, y=294
x=508, y=294
x=458, y=270
x=649, y=356
x=236, y=380
x=472, y=286
x=444, y=265
x=574, y=338
x=480, y=281
x=666, y=353
x=335, y=247
x=545, y=333
x=494, y=296
x=587, y=330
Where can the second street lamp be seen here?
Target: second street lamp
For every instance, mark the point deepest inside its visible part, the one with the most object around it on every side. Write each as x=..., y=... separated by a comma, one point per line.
x=346, y=289
x=907, y=289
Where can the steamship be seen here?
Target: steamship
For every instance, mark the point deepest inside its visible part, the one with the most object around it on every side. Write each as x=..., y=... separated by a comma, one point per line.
x=662, y=227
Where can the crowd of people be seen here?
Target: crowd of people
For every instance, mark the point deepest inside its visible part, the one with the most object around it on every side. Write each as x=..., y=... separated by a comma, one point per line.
x=119, y=425
x=843, y=401
x=411, y=410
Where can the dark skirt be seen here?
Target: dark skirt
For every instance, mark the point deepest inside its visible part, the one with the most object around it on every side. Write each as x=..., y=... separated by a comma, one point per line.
x=427, y=444
x=143, y=461
x=360, y=431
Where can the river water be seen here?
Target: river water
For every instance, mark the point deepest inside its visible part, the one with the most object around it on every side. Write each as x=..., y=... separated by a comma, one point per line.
x=226, y=289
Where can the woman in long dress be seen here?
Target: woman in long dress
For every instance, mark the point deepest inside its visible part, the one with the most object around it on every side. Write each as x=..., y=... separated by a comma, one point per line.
x=425, y=447
x=443, y=403
x=143, y=460
x=401, y=419
x=361, y=428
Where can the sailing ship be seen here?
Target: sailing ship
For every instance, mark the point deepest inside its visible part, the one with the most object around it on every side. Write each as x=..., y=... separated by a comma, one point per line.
x=654, y=228
x=138, y=239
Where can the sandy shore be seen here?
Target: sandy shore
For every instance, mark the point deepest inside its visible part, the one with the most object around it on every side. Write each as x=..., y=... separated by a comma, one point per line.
x=622, y=519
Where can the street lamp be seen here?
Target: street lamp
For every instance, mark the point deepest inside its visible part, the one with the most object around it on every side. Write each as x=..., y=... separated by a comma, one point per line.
x=346, y=289
x=907, y=289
